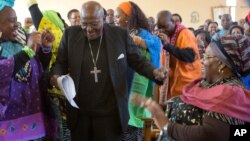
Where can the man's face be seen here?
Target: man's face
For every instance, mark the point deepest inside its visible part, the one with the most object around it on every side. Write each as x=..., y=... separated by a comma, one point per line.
x=164, y=24
x=92, y=25
x=242, y=22
x=212, y=27
x=226, y=22
x=75, y=18
x=8, y=24
x=110, y=16
x=28, y=22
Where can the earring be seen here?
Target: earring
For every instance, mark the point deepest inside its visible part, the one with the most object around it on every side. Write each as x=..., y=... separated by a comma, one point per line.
x=221, y=71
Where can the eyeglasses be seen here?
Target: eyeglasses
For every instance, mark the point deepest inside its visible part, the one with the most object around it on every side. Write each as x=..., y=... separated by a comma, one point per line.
x=92, y=25
x=78, y=17
x=208, y=57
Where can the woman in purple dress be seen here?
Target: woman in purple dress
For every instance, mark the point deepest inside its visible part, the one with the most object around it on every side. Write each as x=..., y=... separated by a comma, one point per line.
x=22, y=106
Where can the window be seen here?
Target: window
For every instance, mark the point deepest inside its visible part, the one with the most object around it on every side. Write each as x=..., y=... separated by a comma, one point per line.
x=232, y=4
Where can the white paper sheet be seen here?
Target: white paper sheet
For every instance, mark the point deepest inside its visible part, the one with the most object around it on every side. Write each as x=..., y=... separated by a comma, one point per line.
x=66, y=84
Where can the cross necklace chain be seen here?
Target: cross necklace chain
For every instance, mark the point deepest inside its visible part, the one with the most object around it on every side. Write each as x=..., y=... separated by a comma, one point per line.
x=95, y=71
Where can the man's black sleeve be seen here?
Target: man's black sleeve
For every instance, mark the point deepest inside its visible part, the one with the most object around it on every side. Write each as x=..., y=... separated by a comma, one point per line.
x=184, y=54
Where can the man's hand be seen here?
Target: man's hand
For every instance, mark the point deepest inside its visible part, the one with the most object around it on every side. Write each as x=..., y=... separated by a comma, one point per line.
x=34, y=41
x=160, y=74
x=53, y=81
x=47, y=38
x=164, y=38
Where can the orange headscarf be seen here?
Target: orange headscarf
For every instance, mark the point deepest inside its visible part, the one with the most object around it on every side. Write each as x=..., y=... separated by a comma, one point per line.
x=126, y=8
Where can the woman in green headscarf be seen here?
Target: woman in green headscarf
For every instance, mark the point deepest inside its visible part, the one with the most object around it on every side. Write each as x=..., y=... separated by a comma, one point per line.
x=52, y=21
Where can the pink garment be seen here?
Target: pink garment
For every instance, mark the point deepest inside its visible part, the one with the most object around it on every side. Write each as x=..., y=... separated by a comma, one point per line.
x=178, y=28
x=225, y=99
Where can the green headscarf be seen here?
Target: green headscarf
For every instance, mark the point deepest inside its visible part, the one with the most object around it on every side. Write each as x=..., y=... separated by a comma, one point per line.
x=54, y=18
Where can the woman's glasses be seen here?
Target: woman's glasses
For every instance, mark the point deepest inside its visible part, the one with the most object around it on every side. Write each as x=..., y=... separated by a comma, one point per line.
x=208, y=57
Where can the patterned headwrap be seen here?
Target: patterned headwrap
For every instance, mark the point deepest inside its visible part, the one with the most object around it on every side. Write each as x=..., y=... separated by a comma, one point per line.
x=126, y=8
x=4, y=3
x=54, y=17
x=234, y=51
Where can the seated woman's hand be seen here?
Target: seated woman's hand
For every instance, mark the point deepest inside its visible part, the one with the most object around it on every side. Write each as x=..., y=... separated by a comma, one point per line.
x=157, y=113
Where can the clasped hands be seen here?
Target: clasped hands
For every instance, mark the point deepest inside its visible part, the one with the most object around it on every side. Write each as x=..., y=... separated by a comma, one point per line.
x=37, y=39
x=160, y=74
x=164, y=37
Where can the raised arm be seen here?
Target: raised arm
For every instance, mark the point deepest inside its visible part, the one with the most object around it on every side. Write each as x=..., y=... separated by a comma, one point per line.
x=35, y=12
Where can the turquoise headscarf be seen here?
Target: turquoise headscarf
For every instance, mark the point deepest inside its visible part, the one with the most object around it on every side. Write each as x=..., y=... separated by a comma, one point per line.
x=54, y=18
x=4, y=3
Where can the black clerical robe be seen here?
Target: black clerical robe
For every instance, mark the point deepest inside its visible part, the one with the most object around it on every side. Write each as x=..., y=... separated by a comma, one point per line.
x=96, y=98
x=121, y=52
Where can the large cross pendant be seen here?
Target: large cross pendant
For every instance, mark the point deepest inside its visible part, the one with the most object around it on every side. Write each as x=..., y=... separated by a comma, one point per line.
x=95, y=71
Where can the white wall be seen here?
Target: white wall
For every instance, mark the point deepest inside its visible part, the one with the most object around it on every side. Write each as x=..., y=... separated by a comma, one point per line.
x=150, y=7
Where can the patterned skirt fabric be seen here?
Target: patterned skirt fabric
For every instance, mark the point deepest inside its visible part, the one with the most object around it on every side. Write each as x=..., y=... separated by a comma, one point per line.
x=58, y=104
x=132, y=134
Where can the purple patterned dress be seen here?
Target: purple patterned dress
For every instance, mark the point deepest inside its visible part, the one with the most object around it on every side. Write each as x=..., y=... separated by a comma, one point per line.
x=21, y=102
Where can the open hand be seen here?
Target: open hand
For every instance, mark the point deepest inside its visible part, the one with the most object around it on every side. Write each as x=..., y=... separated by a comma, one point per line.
x=153, y=107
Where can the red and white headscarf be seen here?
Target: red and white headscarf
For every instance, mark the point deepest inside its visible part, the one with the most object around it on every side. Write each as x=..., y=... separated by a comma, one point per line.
x=234, y=51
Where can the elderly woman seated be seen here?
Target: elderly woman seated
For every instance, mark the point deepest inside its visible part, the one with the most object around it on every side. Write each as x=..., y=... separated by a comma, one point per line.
x=208, y=106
